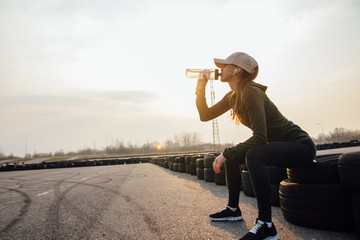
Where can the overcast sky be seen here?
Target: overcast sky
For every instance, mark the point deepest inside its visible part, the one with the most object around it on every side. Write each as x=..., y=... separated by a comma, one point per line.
x=79, y=73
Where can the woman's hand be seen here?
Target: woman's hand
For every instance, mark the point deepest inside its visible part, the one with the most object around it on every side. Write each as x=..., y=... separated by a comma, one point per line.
x=219, y=161
x=202, y=81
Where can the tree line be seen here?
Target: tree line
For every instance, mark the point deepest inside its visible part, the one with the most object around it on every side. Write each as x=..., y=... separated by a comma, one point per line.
x=339, y=134
x=180, y=142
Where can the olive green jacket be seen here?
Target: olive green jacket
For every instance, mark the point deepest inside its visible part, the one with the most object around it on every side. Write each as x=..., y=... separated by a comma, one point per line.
x=258, y=113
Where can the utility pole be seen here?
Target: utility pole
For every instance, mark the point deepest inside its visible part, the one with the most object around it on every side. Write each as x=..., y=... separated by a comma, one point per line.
x=215, y=127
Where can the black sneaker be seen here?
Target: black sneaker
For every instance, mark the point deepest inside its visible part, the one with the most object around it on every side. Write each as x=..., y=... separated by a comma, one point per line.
x=227, y=215
x=261, y=231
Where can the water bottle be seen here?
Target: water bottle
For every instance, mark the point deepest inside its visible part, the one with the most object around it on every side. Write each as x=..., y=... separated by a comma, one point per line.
x=212, y=74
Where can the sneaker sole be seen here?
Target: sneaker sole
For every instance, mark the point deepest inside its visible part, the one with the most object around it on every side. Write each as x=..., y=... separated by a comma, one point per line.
x=230, y=219
x=276, y=237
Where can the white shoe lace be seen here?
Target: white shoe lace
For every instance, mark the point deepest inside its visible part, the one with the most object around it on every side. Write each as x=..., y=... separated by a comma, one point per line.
x=257, y=226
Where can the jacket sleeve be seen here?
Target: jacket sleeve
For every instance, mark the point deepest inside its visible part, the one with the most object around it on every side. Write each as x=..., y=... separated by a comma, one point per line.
x=255, y=112
x=208, y=113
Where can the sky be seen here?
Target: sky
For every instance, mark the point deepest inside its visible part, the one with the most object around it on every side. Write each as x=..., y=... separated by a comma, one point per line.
x=78, y=74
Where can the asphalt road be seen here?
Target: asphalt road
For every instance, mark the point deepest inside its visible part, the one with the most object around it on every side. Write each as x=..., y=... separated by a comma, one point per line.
x=134, y=201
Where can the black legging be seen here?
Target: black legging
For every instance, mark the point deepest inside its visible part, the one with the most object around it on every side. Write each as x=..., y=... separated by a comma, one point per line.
x=282, y=154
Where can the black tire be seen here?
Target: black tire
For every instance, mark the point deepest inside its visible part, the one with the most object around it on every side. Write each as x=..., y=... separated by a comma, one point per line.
x=192, y=168
x=181, y=159
x=247, y=184
x=200, y=173
x=208, y=161
x=188, y=168
x=176, y=167
x=349, y=170
x=209, y=175
x=320, y=206
x=200, y=163
x=187, y=160
x=182, y=167
x=219, y=178
x=323, y=171
x=356, y=210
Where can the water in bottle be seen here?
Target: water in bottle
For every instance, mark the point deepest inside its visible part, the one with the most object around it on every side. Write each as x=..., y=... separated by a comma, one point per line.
x=212, y=74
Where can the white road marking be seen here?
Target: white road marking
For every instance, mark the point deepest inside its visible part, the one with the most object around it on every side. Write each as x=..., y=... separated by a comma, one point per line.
x=40, y=194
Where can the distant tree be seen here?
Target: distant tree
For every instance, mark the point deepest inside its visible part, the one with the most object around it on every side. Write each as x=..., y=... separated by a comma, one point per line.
x=339, y=134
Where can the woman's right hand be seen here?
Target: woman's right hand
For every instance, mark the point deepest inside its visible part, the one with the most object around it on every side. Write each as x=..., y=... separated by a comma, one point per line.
x=202, y=81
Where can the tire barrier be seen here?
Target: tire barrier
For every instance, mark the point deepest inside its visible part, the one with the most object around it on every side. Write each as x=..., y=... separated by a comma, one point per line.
x=320, y=196
x=73, y=163
x=325, y=146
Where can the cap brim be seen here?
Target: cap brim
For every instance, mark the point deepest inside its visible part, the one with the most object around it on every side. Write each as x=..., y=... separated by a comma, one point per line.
x=220, y=63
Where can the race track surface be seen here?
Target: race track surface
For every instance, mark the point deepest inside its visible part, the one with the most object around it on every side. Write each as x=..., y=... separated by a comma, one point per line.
x=134, y=201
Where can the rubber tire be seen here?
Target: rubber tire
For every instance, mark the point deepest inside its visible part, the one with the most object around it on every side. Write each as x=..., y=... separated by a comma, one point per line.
x=182, y=167
x=176, y=167
x=324, y=171
x=356, y=210
x=320, y=206
x=192, y=167
x=349, y=170
x=219, y=178
x=200, y=173
x=209, y=175
x=200, y=163
x=208, y=161
x=247, y=184
x=187, y=160
x=188, y=168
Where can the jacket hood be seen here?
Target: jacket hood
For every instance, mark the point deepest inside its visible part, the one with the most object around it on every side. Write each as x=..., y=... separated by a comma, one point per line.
x=258, y=85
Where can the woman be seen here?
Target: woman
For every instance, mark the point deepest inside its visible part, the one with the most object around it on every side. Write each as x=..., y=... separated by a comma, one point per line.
x=275, y=140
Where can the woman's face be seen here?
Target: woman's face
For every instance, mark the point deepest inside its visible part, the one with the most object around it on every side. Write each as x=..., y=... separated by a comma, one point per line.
x=230, y=74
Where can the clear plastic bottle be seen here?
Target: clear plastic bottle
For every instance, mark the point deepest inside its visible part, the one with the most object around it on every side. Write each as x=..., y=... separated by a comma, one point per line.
x=212, y=74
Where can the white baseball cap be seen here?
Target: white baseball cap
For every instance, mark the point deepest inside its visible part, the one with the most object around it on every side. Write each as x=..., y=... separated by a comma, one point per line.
x=239, y=59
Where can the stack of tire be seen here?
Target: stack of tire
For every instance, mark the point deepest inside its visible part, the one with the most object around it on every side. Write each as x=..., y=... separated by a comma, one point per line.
x=171, y=163
x=192, y=165
x=181, y=164
x=176, y=164
x=200, y=168
x=314, y=197
x=349, y=173
x=209, y=174
x=277, y=174
x=187, y=163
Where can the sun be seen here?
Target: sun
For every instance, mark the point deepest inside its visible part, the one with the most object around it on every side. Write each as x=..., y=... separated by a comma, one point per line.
x=159, y=147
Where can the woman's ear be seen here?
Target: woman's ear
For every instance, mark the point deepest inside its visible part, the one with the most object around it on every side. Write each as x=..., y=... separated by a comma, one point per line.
x=236, y=70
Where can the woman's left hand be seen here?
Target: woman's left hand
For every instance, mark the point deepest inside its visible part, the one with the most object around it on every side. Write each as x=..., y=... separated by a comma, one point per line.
x=219, y=161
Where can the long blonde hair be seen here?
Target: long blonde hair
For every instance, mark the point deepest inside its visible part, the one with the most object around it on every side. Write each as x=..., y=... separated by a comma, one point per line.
x=237, y=96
